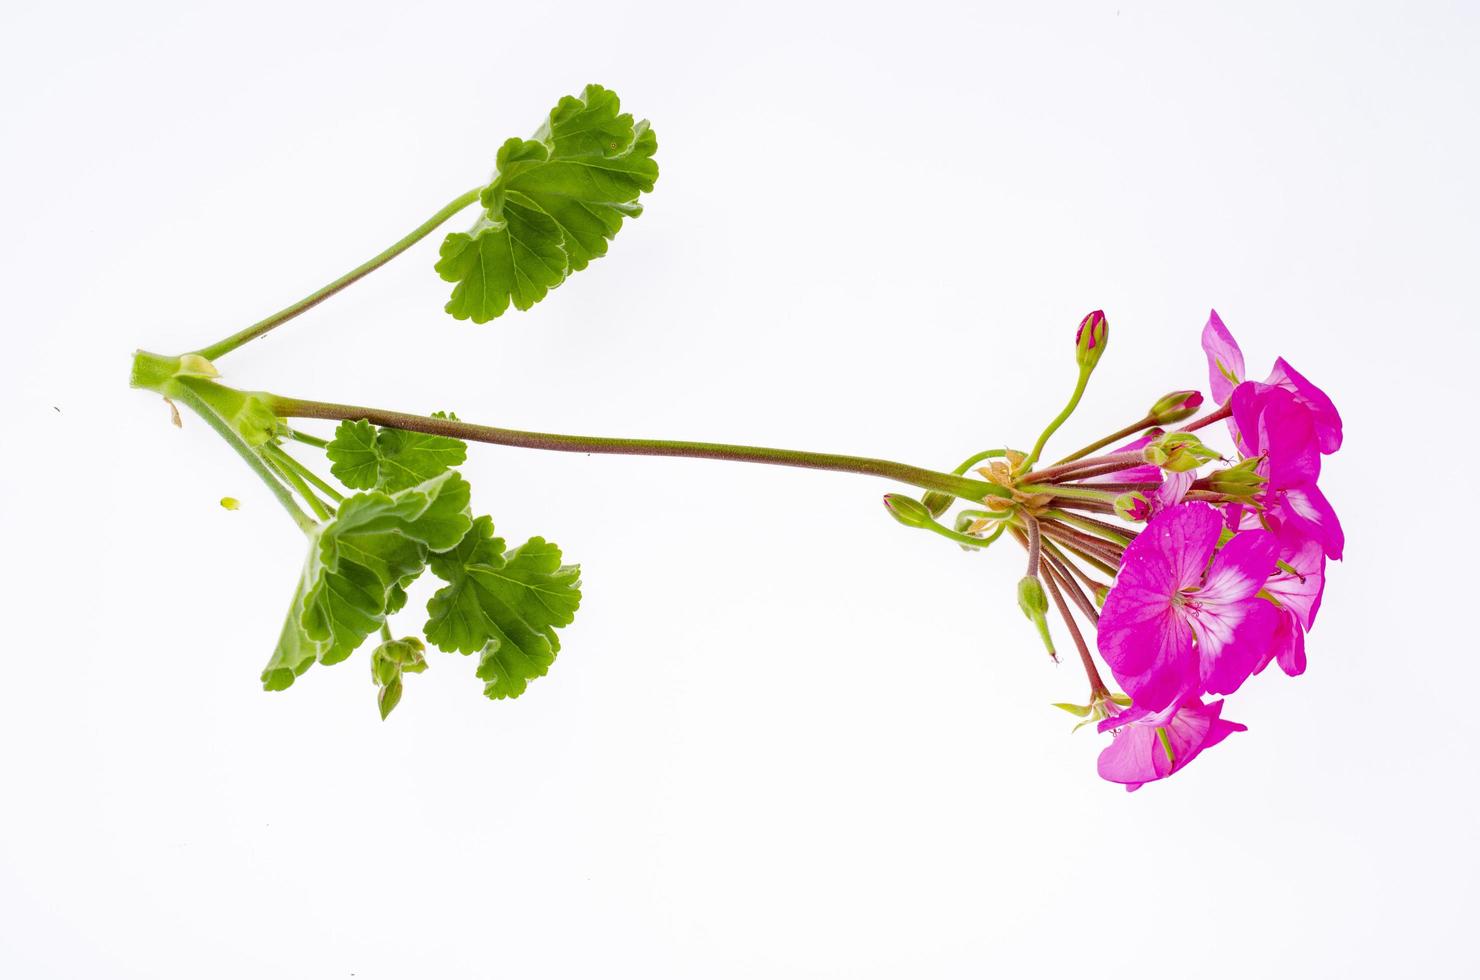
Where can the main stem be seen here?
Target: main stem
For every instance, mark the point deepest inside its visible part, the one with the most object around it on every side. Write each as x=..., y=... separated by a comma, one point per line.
x=195, y=403
x=282, y=316
x=957, y=486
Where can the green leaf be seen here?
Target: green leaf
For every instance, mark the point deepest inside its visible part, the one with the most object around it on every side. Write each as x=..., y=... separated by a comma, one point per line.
x=365, y=457
x=504, y=605
x=358, y=567
x=520, y=256
x=553, y=205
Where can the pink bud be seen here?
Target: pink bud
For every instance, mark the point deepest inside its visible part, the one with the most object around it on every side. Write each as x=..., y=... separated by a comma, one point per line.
x=1089, y=340
x=1175, y=407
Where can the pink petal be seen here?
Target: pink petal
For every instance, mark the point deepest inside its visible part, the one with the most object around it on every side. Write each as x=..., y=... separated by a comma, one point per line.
x=1232, y=638
x=1247, y=401
x=1134, y=758
x=1232, y=627
x=1288, y=644
x=1225, y=360
x=1303, y=514
x=1182, y=539
x=1287, y=435
x=1174, y=487
x=1301, y=593
x=1137, y=756
x=1323, y=411
x=1146, y=642
x=1240, y=569
x=1147, y=646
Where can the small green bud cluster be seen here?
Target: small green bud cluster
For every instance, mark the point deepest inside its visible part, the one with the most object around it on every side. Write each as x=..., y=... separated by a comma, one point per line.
x=1178, y=452
x=1240, y=481
x=389, y=661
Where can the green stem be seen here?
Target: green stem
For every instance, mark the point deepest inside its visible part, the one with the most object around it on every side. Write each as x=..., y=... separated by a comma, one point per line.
x=307, y=439
x=287, y=313
x=275, y=456
x=1059, y=420
x=937, y=506
x=991, y=515
x=973, y=460
x=1116, y=436
x=966, y=539
x=323, y=485
x=949, y=483
x=199, y=406
x=1069, y=493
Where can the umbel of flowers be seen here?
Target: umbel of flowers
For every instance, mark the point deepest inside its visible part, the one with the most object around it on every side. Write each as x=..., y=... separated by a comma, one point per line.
x=1197, y=567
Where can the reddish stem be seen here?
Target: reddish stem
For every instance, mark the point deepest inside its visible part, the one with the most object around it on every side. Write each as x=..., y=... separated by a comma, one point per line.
x=1085, y=542
x=1209, y=419
x=1094, y=465
x=1072, y=587
x=1097, y=689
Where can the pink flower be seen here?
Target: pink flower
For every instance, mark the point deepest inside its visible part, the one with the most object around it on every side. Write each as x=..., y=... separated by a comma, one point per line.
x=1272, y=423
x=1299, y=596
x=1225, y=359
x=1226, y=372
x=1149, y=747
x=1174, y=625
x=1322, y=412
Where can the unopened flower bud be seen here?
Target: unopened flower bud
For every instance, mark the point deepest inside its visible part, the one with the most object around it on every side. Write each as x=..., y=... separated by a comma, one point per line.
x=1089, y=342
x=1178, y=452
x=1033, y=601
x=937, y=503
x=1133, y=507
x=1240, y=481
x=389, y=697
x=907, y=510
x=1175, y=407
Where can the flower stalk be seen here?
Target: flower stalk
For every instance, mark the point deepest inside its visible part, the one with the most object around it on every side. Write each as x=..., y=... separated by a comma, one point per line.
x=1224, y=578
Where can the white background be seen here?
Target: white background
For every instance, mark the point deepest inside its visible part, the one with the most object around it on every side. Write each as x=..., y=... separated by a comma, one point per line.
x=786, y=737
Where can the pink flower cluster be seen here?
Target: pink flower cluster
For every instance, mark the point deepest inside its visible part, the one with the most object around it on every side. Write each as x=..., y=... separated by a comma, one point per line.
x=1211, y=592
